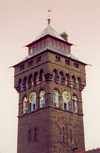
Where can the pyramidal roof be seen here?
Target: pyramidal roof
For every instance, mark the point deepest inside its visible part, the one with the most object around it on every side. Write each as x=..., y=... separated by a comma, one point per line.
x=50, y=31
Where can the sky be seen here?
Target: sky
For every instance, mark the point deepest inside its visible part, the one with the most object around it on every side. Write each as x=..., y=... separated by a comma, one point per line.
x=21, y=21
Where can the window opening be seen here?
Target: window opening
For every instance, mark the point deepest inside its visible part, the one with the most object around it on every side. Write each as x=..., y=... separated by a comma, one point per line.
x=74, y=103
x=25, y=82
x=20, y=85
x=56, y=98
x=57, y=58
x=66, y=99
x=42, y=76
x=63, y=134
x=72, y=81
x=67, y=78
x=22, y=67
x=70, y=136
x=31, y=82
x=76, y=65
x=42, y=98
x=25, y=105
x=79, y=83
x=54, y=77
x=32, y=100
x=67, y=61
x=30, y=63
x=60, y=80
x=39, y=59
x=33, y=134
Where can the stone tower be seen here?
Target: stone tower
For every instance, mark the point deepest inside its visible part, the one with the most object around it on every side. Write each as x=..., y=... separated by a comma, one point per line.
x=50, y=81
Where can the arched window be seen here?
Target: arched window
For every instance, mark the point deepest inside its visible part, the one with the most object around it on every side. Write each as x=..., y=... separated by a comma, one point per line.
x=79, y=83
x=67, y=79
x=66, y=99
x=20, y=85
x=25, y=105
x=25, y=83
x=56, y=98
x=42, y=76
x=72, y=81
x=31, y=82
x=54, y=77
x=60, y=80
x=74, y=103
x=32, y=100
x=42, y=98
x=36, y=78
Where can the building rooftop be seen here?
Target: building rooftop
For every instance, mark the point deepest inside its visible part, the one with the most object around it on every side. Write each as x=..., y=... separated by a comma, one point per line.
x=50, y=32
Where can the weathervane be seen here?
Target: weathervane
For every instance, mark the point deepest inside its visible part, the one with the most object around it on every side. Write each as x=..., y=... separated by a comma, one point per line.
x=49, y=10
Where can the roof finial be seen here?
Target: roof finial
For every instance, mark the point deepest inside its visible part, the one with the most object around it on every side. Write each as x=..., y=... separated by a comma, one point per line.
x=49, y=10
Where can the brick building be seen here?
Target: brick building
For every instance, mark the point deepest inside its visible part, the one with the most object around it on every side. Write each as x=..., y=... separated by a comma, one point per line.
x=50, y=81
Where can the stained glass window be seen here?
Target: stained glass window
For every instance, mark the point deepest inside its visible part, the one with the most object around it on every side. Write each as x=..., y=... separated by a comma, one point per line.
x=42, y=98
x=25, y=105
x=74, y=103
x=56, y=98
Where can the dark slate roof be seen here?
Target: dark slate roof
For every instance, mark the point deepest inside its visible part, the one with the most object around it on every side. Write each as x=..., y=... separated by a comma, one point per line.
x=50, y=31
x=63, y=53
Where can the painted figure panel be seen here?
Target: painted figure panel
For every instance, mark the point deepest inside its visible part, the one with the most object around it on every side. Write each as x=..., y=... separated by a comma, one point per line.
x=74, y=104
x=56, y=98
x=25, y=105
x=32, y=100
x=42, y=98
x=66, y=99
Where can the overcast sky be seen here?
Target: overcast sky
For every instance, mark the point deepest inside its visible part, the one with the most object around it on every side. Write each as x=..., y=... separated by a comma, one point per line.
x=21, y=21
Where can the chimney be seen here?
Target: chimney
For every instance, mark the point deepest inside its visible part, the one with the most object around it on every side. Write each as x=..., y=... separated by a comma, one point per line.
x=64, y=35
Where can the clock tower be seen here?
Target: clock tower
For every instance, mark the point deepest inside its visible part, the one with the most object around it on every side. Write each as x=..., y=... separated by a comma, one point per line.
x=50, y=81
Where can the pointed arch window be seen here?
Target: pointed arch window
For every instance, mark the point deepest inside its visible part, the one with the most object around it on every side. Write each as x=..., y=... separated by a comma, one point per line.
x=36, y=78
x=25, y=105
x=42, y=98
x=56, y=98
x=79, y=83
x=32, y=100
x=54, y=77
x=25, y=83
x=60, y=80
x=72, y=81
x=67, y=78
x=20, y=85
x=31, y=82
x=74, y=103
x=42, y=76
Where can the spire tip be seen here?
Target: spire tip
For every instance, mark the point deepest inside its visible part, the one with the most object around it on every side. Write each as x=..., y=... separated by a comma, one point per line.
x=49, y=19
